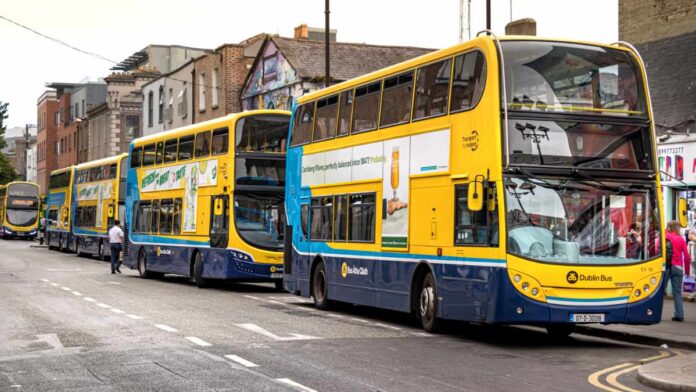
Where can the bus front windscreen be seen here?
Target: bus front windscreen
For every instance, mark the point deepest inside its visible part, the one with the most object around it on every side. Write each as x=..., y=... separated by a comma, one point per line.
x=21, y=217
x=23, y=190
x=576, y=222
x=259, y=220
x=543, y=76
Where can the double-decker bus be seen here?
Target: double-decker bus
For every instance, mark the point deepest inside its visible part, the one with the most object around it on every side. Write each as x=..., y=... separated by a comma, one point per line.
x=507, y=180
x=59, y=204
x=100, y=197
x=19, y=210
x=206, y=200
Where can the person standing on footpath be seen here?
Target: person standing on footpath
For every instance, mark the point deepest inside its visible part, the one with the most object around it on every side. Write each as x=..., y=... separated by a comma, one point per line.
x=115, y=241
x=679, y=263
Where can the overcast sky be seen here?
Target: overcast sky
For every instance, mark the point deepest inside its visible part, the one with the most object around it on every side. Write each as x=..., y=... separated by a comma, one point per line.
x=116, y=29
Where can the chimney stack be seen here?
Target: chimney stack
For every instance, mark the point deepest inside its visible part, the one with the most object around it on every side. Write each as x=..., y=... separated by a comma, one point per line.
x=526, y=26
x=301, y=32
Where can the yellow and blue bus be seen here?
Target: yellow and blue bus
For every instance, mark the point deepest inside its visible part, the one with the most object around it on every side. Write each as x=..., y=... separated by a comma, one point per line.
x=19, y=210
x=100, y=197
x=509, y=180
x=59, y=204
x=206, y=200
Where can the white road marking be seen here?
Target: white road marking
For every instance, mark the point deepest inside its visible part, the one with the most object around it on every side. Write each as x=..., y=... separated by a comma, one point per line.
x=334, y=315
x=117, y=311
x=134, y=317
x=105, y=306
x=297, y=386
x=166, y=328
x=79, y=294
x=63, y=269
x=252, y=297
x=45, y=280
x=66, y=288
x=360, y=320
x=241, y=361
x=110, y=282
x=294, y=336
x=198, y=341
x=88, y=299
x=276, y=302
x=388, y=326
x=423, y=334
x=55, y=284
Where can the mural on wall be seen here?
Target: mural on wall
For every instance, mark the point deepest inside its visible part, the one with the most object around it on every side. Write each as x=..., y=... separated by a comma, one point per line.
x=273, y=84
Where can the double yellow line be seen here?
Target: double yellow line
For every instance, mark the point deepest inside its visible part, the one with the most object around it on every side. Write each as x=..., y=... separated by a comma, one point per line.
x=614, y=372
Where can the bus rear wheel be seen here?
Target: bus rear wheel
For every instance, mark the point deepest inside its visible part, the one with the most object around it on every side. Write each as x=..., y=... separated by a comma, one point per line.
x=320, y=287
x=198, y=278
x=427, y=309
x=100, y=251
x=142, y=265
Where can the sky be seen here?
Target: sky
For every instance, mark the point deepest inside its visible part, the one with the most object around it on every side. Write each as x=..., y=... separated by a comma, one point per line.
x=116, y=29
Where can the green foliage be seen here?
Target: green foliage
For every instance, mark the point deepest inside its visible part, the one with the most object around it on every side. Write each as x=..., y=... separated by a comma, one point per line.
x=3, y=117
x=7, y=172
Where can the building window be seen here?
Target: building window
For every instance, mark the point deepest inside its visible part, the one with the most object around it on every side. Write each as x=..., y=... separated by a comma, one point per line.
x=201, y=91
x=170, y=107
x=183, y=102
x=133, y=126
x=83, y=109
x=150, y=103
x=160, y=108
x=214, y=89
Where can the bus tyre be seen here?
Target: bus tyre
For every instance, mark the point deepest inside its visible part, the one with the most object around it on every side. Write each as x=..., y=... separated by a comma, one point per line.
x=142, y=265
x=320, y=287
x=100, y=251
x=60, y=244
x=78, y=249
x=198, y=278
x=427, y=309
x=279, y=286
x=560, y=331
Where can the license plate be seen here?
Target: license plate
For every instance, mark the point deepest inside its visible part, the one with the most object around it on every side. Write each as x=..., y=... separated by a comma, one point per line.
x=587, y=317
x=277, y=275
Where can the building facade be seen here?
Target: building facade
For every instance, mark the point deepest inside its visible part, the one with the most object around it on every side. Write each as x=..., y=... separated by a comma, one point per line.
x=168, y=101
x=287, y=68
x=31, y=162
x=47, y=122
x=66, y=127
x=84, y=97
x=113, y=124
x=664, y=32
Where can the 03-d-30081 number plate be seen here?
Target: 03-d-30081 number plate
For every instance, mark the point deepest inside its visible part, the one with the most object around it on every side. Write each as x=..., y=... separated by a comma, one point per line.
x=587, y=317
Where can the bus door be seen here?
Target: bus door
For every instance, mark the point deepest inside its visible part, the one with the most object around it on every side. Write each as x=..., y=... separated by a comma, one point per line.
x=219, y=221
x=122, y=191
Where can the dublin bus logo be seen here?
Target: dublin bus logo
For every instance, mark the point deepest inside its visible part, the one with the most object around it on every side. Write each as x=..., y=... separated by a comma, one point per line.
x=572, y=277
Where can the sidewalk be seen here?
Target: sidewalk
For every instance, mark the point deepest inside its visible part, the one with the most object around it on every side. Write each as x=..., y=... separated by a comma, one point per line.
x=677, y=373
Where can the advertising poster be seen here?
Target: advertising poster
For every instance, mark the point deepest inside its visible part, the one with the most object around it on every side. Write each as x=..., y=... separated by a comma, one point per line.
x=395, y=176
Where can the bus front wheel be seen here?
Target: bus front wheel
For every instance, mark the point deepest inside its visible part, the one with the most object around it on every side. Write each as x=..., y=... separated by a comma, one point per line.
x=198, y=278
x=427, y=309
x=320, y=287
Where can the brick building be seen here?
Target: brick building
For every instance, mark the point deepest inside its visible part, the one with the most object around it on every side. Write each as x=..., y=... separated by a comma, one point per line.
x=85, y=96
x=664, y=32
x=66, y=126
x=47, y=122
x=218, y=78
x=287, y=68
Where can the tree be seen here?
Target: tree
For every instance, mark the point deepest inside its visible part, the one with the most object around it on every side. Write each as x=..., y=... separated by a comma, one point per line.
x=7, y=172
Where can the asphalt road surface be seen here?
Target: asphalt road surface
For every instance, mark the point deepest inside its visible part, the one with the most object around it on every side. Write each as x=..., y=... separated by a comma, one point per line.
x=66, y=323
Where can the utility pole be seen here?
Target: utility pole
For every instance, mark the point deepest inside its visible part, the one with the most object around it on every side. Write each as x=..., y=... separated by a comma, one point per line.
x=27, y=138
x=464, y=15
x=488, y=15
x=327, y=38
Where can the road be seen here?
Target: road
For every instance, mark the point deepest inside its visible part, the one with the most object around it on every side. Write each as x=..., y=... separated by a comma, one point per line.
x=67, y=324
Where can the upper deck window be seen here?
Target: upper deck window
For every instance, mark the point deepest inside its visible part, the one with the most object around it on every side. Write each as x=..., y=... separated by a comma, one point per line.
x=170, y=148
x=221, y=141
x=564, y=78
x=136, y=157
x=345, y=112
x=302, y=129
x=432, y=89
x=262, y=133
x=23, y=190
x=325, y=121
x=396, y=100
x=366, y=110
x=160, y=153
x=469, y=78
x=203, y=144
x=185, y=147
x=149, y=155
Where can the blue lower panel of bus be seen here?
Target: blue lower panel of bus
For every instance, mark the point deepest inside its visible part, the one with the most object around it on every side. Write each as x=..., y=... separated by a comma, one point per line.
x=90, y=243
x=468, y=292
x=217, y=263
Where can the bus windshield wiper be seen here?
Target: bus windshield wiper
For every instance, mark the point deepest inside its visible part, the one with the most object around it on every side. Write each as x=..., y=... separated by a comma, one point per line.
x=539, y=180
x=602, y=185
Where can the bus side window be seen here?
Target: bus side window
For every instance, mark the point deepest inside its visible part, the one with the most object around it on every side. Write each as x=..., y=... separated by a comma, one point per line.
x=149, y=155
x=432, y=89
x=340, y=218
x=304, y=218
x=396, y=99
x=321, y=218
x=474, y=227
x=170, y=150
x=203, y=144
x=136, y=157
x=185, y=148
x=165, y=220
x=345, y=112
x=176, y=217
x=154, y=217
x=366, y=107
x=361, y=217
x=160, y=153
x=469, y=80
x=325, y=120
x=302, y=129
x=221, y=141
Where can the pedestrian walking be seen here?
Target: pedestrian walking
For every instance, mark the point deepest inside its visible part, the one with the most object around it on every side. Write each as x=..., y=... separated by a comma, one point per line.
x=677, y=263
x=116, y=241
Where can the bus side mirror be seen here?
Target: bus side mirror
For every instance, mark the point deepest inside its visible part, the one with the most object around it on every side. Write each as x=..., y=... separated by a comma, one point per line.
x=475, y=197
x=218, y=207
x=110, y=212
x=64, y=212
x=682, y=212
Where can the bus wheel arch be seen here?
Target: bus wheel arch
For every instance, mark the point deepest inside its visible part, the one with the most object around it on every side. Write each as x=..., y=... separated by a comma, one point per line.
x=318, y=280
x=196, y=270
x=424, y=301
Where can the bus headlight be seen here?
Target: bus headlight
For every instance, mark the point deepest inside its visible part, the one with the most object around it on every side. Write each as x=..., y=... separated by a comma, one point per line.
x=535, y=291
x=653, y=281
x=638, y=292
x=647, y=285
x=517, y=278
x=646, y=288
x=526, y=285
